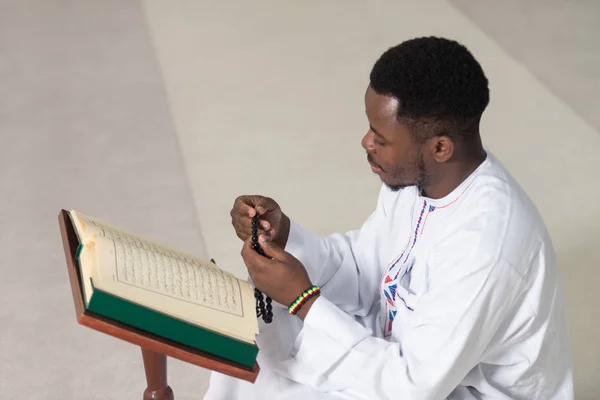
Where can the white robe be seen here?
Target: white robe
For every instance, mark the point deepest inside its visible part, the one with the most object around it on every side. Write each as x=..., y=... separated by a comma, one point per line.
x=453, y=298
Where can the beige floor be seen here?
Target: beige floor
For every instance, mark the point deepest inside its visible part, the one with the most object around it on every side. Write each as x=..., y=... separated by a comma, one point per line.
x=156, y=115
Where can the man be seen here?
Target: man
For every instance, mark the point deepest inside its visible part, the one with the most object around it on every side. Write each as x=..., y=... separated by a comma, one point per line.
x=450, y=288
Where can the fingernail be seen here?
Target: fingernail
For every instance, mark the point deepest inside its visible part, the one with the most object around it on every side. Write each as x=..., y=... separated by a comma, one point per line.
x=260, y=210
x=262, y=238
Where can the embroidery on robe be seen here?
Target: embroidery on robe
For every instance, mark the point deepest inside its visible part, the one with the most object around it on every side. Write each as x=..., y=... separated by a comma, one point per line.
x=389, y=284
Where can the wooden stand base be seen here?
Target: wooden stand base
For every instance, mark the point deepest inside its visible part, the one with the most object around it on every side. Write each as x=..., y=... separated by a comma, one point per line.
x=155, y=365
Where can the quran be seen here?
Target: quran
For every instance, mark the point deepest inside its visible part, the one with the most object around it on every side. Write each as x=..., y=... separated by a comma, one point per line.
x=165, y=291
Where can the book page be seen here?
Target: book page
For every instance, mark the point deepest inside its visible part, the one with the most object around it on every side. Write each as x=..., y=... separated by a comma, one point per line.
x=86, y=265
x=92, y=226
x=85, y=255
x=175, y=275
x=230, y=311
x=153, y=266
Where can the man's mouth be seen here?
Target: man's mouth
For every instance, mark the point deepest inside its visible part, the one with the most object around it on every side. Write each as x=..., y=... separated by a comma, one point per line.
x=374, y=167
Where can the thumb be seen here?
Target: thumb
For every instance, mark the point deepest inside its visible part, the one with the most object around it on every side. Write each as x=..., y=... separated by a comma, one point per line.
x=271, y=249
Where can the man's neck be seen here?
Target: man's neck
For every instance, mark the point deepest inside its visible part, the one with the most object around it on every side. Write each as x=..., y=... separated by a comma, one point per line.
x=454, y=174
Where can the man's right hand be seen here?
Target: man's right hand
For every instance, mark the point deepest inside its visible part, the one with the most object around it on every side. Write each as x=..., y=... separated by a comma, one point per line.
x=272, y=222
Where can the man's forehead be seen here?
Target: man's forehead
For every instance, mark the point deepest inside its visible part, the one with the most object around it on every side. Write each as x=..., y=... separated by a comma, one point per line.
x=380, y=106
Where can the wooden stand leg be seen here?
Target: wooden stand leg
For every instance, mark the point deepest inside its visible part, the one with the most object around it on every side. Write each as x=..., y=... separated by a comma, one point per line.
x=155, y=365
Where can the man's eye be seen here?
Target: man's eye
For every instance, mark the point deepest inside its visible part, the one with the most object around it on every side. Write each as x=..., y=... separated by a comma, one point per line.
x=380, y=143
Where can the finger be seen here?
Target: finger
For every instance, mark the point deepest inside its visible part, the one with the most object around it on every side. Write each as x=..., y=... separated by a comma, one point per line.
x=247, y=251
x=254, y=261
x=265, y=204
x=248, y=209
x=272, y=250
x=244, y=205
x=252, y=204
x=248, y=258
x=244, y=225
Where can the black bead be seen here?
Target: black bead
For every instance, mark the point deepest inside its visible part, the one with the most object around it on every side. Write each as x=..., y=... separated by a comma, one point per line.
x=266, y=312
x=259, y=299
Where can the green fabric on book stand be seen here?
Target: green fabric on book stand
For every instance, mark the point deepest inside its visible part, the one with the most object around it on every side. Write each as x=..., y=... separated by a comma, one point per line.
x=159, y=324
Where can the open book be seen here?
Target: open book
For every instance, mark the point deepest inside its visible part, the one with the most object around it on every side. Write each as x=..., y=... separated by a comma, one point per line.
x=165, y=291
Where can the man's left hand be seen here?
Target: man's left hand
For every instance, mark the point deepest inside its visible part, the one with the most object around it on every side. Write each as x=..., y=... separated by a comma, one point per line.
x=278, y=274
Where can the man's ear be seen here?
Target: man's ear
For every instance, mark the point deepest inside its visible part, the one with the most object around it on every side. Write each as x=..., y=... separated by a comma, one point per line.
x=441, y=148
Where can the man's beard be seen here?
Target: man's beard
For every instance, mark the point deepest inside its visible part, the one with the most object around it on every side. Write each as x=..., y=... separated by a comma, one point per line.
x=418, y=167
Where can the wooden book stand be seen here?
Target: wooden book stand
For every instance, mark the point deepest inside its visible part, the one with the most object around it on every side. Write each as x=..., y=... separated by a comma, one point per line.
x=155, y=349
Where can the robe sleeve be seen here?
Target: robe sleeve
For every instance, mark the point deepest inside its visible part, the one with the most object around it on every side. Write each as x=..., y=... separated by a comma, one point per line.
x=342, y=264
x=445, y=338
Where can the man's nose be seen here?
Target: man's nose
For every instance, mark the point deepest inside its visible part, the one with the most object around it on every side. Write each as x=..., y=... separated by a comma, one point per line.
x=367, y=142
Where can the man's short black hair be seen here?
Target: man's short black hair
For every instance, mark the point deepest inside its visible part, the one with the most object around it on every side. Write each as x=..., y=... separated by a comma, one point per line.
x=440, y=86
